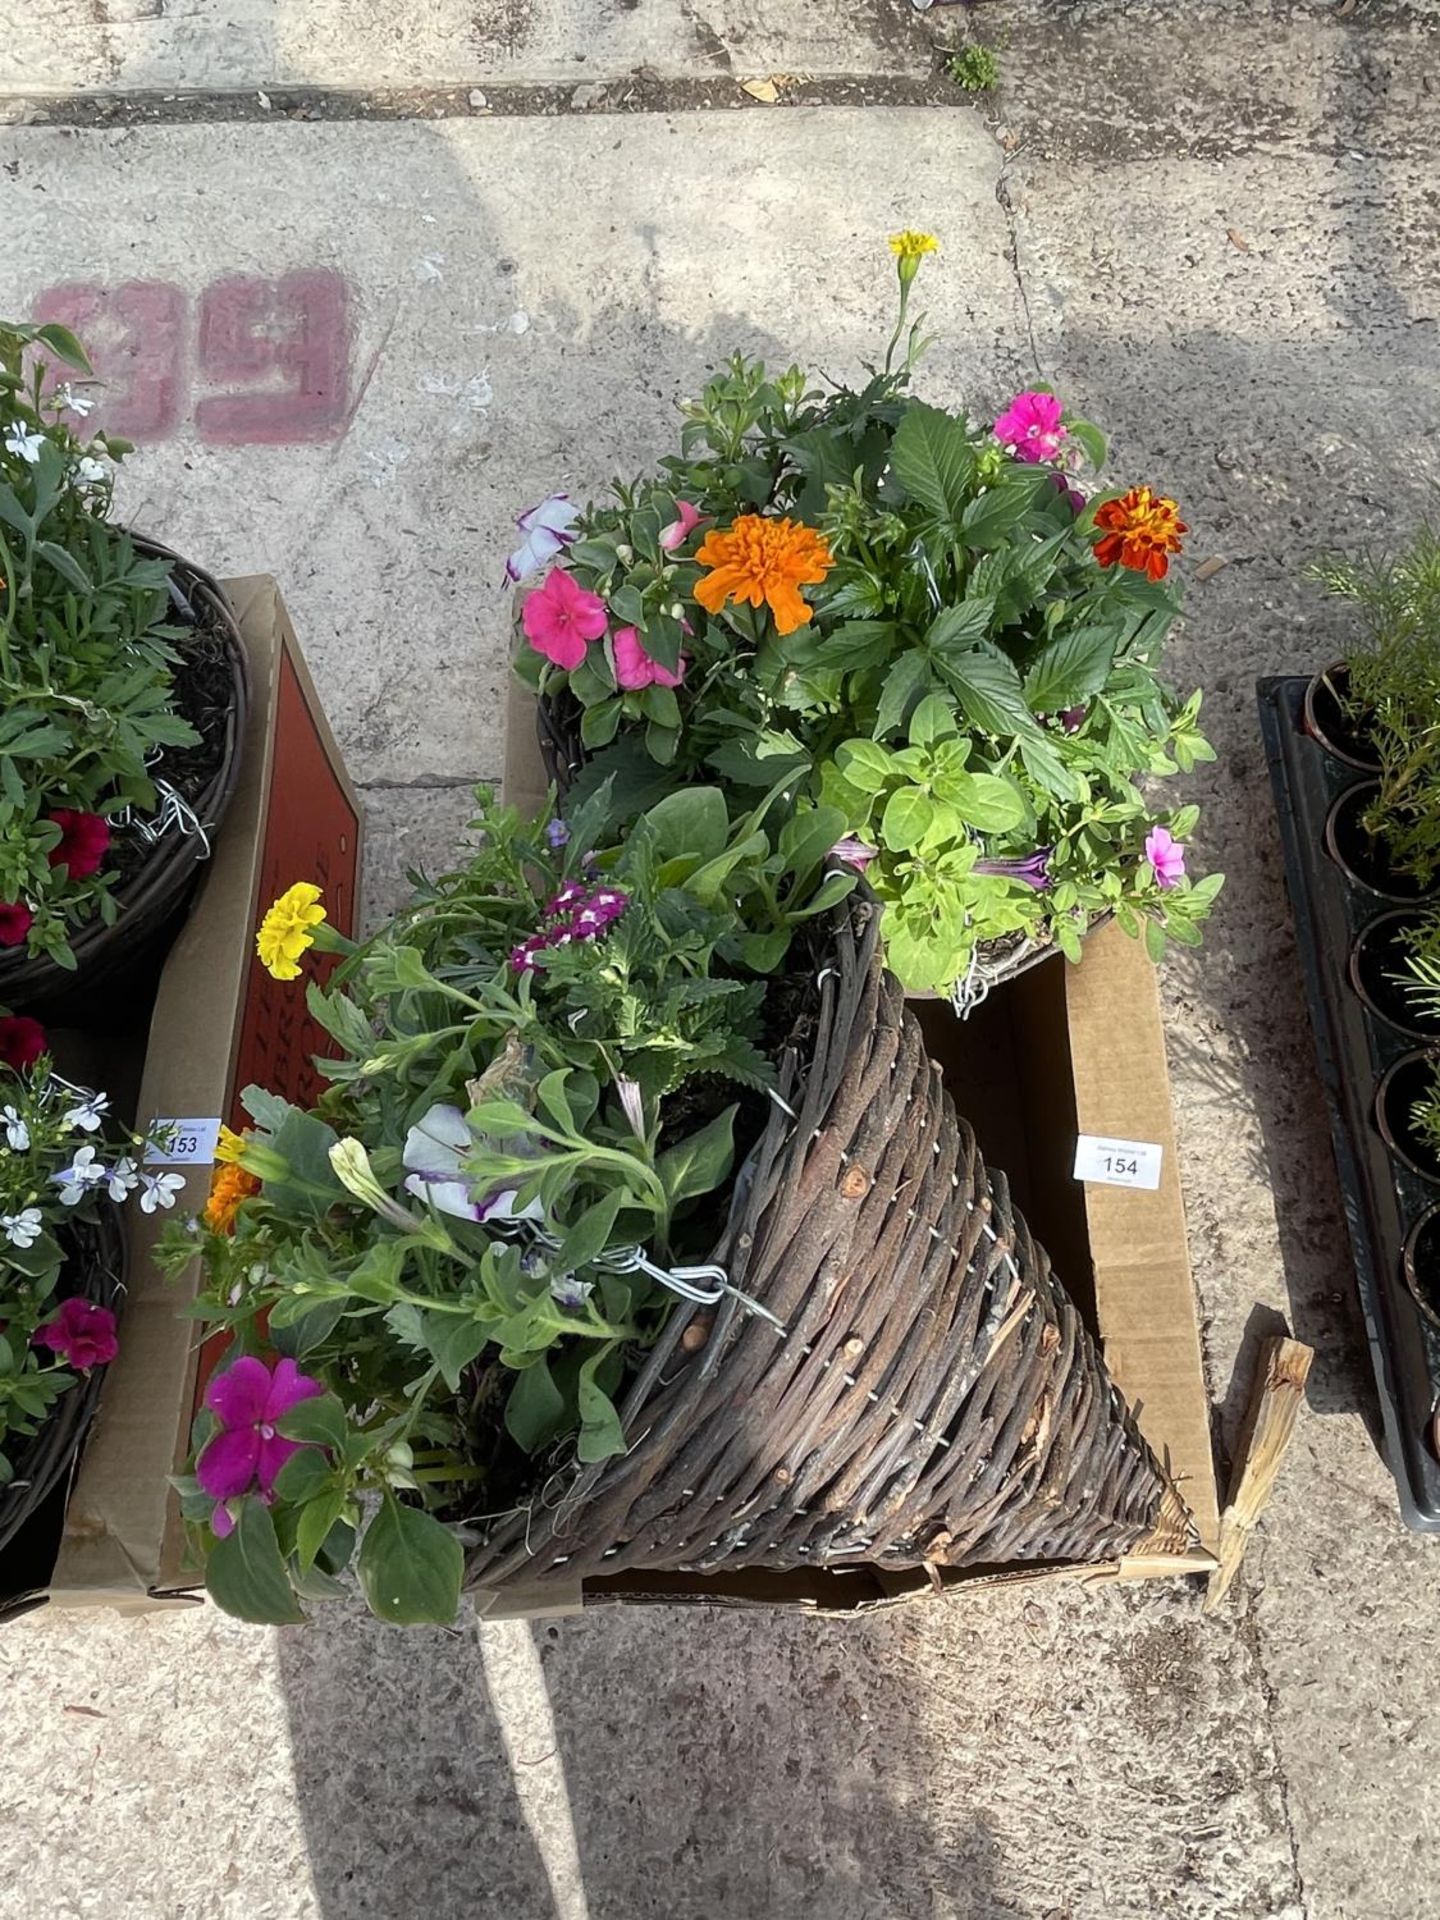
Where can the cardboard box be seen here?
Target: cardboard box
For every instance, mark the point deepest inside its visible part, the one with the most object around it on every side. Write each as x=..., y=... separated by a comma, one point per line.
x=219, y=1023
x=1060, y=1051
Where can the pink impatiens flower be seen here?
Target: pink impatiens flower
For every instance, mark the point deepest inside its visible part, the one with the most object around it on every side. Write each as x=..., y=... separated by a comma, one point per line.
x=81, y=1333
x=687, y=519
x=1031, y=427
x=249, y=1399
x=1166, y=856
x=561, y=619
x=634, y=668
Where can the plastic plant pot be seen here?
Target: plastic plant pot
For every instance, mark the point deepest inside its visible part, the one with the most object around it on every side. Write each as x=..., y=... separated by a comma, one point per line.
x=1422, y=1266
x=1376, y=966
x=1361, y=857
x=1407, y=1080
x=1328, y=722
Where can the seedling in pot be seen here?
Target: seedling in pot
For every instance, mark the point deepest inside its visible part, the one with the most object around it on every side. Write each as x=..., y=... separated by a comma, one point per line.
x=1422, y=1265
x=1393, y=683
x=1407, y=1112
x=1365, y=859
x=1380, y=970
x=1332, y=719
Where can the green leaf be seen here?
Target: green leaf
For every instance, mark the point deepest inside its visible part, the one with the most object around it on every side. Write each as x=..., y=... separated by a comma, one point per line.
x=601, y=1434
x=552, y=1096
x=1155, y=940
x=907, y=818
x=994, y=519
x=590, y=1235
x=957, y=628
x=312, y=1528
x=863, y=764
x=453, y=1340
x=410, y=1567
x=598, y=724
x=989, y=690
x=245, y=1573
x=302, y=1476
x=904, y=684
x=934, y=460
x=700, y=1163
x=62, y=342
x=1070, y=669
x=1091, y=439
x=990, y=803
x=535, y=1411
x=66, y=565
x=932, y=720
x=321, y=1421
x=694, y=821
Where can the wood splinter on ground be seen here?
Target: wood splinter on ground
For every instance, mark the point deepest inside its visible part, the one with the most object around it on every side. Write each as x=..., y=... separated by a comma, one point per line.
x=1269, y=1423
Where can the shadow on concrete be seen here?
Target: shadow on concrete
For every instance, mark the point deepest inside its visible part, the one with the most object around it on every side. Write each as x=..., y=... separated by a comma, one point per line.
x=652, y=1764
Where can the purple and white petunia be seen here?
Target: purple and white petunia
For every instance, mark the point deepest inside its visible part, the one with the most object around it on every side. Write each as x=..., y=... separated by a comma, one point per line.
x=547, y=530
x=434, y=1154
x=1033, y=871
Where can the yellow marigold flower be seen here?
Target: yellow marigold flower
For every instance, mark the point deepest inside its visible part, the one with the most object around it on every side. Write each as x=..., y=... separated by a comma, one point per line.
x=288, y=930
x=911, y=245
x=229, y=1146
x=229, y=1185
x=765, y=562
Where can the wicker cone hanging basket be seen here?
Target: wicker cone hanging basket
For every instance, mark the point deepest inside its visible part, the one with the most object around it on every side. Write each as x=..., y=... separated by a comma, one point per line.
x=125, y=958
x=930, y=1397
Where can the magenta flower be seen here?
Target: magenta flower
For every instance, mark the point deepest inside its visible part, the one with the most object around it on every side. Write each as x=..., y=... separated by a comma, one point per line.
x=523, y=958
x=248, y=1400
x=561, y=619
x=569, y=896
x=634, y=668
x=1031, y=427
x=602, y=909
x=1033, y=871
x=854, y=852
x=1073, y=718
x=687, y=519
x=1166, y=856
x=81, y=1333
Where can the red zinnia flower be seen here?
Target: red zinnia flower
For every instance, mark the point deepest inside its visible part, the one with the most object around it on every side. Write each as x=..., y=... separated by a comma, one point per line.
x=84, y=838
x=1141, y=530
x=22, y=1041
x=15, y=924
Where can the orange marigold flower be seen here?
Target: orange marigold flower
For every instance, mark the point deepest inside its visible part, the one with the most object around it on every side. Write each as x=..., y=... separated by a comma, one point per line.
x=763, y=561
x=1141, y=530
x=229, y=1185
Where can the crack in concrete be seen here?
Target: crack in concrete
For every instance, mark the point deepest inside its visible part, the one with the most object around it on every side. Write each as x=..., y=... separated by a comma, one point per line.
x=1247, y=1631
x=1012, y=252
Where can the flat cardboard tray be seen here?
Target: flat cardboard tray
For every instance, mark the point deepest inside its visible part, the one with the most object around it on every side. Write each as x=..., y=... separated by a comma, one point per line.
x=1059, y=1051
x=1381, y=1197
x=218, y=1023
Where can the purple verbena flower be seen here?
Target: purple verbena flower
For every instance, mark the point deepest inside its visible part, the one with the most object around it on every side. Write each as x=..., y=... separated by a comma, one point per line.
x=570, y=895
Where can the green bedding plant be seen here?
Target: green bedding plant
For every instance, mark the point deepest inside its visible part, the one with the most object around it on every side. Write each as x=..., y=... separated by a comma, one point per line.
x=546, y=1072
x=919, y=620
x=1394, y=694
x=86, y=655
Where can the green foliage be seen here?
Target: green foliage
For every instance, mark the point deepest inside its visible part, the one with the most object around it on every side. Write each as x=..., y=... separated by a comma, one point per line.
x=976, y=68
x=963, y=597
x=1394, y=694
x=1420, y=980
x=1425, y=1113
x=522, y=1100
x=86, y=654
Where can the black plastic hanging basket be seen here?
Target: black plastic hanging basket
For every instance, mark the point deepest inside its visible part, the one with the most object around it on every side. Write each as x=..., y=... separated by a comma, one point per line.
x=916, y=1389
x=94, y=1270
x=213, y=689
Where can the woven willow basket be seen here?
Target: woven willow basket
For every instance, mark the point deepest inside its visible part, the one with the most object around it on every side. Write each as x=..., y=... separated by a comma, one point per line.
x=930, y=1396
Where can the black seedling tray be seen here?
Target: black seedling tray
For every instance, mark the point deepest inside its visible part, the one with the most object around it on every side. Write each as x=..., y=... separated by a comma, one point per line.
x=1383, y=1198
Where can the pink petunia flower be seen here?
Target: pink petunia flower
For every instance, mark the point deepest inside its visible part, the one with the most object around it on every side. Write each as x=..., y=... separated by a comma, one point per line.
x=22, y=1041
x=247, y=1453
x=82, y=1333
x=1031, y=427
x=1166, y=856
x=561, y=619
x=687, y=519
x=854, y=852
x=16, y=920
x=634, y=667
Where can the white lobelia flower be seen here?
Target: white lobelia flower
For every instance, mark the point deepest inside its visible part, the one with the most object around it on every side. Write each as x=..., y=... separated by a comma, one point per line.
x=23, y=1229
x=91, y=472
x=547, y=529
x=72, y=402
x=567, y=1291
x=88, y=1112
x=76, y=1180
x=17, y=1132
x=159, y=1190
x=22, y=441
x=122, y=1178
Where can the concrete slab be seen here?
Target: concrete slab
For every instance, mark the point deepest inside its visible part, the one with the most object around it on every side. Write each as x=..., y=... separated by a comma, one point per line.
x=68, y=46
x=467, y=316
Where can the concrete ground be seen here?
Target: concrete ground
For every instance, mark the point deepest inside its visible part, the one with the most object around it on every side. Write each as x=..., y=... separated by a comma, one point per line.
x=507, y=240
